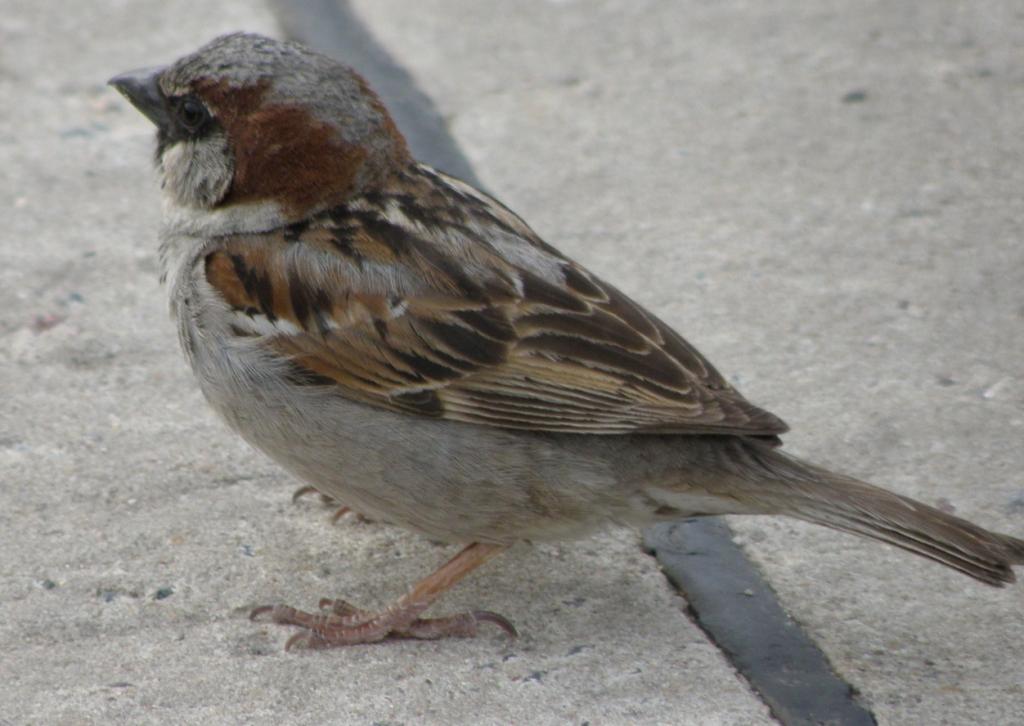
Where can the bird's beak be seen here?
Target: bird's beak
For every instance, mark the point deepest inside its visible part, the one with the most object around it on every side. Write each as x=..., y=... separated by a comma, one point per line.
x=142, y=88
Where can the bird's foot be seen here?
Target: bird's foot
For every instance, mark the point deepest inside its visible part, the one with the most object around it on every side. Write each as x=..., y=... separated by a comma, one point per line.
x=340, y=623
x=329, y=501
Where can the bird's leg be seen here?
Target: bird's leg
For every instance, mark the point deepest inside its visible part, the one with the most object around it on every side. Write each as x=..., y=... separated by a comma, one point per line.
x=340, y=623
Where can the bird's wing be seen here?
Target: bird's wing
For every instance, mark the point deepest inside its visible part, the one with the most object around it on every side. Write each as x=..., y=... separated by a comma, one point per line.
x=435, y=300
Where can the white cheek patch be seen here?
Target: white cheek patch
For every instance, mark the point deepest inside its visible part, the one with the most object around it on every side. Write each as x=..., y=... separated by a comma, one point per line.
x=198, y=173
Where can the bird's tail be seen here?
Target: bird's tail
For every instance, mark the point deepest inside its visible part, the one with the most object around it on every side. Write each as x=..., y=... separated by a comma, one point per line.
x=808, y=492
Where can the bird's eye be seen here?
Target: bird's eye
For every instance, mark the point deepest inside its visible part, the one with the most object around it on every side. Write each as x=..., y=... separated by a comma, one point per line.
x=192, y=114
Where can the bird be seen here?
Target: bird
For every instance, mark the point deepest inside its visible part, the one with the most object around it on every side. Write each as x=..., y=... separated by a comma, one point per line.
x=405, y=344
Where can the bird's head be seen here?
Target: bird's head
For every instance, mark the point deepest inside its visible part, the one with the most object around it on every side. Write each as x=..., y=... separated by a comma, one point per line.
x=250, y=122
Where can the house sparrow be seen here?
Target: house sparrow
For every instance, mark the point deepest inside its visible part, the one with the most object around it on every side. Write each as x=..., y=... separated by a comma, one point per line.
x=408, y=346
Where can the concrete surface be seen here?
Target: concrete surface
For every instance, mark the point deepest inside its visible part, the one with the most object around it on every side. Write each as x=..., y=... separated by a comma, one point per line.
x=825, y=198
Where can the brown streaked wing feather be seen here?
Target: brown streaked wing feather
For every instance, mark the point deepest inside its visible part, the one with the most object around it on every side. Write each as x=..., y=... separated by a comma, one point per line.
x=430, y=318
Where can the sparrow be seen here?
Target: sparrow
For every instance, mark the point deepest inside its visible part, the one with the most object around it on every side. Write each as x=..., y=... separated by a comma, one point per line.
x=407, y=345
